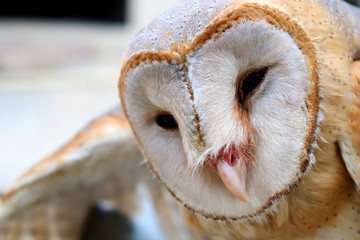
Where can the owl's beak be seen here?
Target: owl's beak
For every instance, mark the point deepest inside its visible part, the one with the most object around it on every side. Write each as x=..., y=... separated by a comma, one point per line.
x=231, y=168
x=234, y=178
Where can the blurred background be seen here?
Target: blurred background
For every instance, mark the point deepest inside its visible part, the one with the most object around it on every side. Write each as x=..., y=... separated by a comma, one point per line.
x=59, y=66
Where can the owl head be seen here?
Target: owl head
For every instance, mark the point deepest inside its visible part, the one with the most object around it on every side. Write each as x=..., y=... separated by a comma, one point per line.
x=223, y=99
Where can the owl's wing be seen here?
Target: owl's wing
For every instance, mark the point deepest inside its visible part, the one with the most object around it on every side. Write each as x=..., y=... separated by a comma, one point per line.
x=349, y=141
x=53, y=199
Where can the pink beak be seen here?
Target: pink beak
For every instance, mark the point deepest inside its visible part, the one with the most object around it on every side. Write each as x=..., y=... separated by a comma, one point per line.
x=231, y=167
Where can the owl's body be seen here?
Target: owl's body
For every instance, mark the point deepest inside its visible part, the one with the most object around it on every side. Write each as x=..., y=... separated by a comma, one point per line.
x=247, y=111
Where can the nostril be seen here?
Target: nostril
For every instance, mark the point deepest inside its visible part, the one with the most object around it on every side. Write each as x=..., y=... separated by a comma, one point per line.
x=232, y=160
x=230, y=157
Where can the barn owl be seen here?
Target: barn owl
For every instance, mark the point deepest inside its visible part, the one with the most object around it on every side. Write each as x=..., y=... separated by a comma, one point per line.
x=247, y=111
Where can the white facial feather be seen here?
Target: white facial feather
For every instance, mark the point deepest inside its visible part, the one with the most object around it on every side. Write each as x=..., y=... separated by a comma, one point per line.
x=277, y=113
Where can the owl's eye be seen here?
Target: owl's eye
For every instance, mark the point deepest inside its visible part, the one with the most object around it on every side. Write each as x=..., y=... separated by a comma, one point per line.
x=251, y=82
x=166, y=121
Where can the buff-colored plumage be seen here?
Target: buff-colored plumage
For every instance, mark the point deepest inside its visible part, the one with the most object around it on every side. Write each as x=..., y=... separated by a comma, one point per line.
x=321, y=201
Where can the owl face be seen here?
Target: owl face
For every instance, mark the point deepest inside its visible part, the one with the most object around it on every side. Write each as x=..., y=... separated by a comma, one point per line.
x=225, y=120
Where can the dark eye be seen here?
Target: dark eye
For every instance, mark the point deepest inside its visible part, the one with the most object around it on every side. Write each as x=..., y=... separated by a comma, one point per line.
x=251, y=82
x=166, y=121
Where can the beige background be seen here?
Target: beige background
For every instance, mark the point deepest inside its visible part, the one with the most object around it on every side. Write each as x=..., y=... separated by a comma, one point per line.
x=54, y=78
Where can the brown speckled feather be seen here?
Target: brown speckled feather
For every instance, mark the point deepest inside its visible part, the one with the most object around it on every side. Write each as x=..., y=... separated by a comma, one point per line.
x=102, y=162
x=51, y=200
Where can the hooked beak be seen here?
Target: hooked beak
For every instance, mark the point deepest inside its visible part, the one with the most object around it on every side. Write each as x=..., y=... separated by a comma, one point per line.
x=231, y=166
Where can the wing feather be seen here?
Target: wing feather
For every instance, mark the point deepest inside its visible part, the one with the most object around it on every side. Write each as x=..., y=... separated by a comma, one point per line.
x=51, y=200
x=350, y=141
